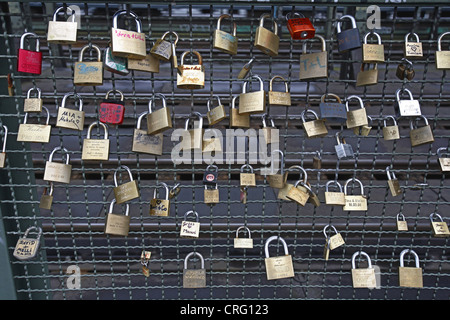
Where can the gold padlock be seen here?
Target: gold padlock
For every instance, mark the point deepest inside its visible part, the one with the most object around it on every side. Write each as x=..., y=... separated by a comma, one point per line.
x=145, y=258
x=144, y=142
x=238, y=120
x=190, y=229
x=315, y=128
x=390, y=132
x=158, y=206
x=147, y=64
x=410, y=277
x=88, y=73
x=442, y=56
x=363, y=277
x=96, y=149
x=372, y=53
x=280, y=267
x=117, y=224
x=422, y=135
x=191, y=76
x=252, y=102
x=195, y=137
x=68, y=118
x=126, y=191
x=394, y=185
x=159, y=120
x=211, y=196
x=47, y=198
x=402, y=224
x=265, y=40
x=29, y=132
x=224, y=41
x=270, y=134
x=62, y=32
x=314, y=65
x=413, y=50
x=355, y=202
x=243, y=243
x=217, y=113
x=33, y=104
x=440, y=228
x=277, y=180
x=126, y=43
x=299, y=194
x=286, y=190
x=334, y=198
x=364, y=130
x=165, y=50
x=247, y=179
x=279, y=98
x=55, y=171
x=245, y=69
x=444, y=162
x=367, y=77
x=358, y=117
x=331, y=242
x=194, y=278
x=212, y=142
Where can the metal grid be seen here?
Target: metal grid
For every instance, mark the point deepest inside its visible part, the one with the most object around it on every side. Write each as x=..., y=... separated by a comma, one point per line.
x=73, y=228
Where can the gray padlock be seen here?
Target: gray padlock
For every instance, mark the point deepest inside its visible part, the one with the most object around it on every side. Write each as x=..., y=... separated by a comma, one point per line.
x=343, y=150
x=407, y=108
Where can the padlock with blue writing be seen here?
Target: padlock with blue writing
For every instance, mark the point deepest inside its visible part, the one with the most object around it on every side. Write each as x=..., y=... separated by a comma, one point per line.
x=314, y=65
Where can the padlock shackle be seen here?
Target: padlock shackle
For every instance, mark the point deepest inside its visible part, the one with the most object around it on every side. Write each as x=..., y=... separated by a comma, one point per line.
x=411, y=122
x=439, y=47
x=324, y=96
x=25, y=118
x=93, y=46
x=282, y=79
x=281, y=162
x=192, y=116
x=334, y=182
x=401, y=91
x=196, y=53
x=80, y=100
x=355, y=180
x=358, y=253
x=38, y=229
x=411, y=33
x=353, y=97
x=5, y=138
x=288, y=15
x=437, y=215
x=233, y=102
x=131, y=13
x=227, y=16
x=55, y=14
x=247, y=166
x=243, y=227
x=301, y=170
x=268, y=16
x=117, y=170
x=410, y=251
x=191, y=212
x=111, y=207
x=368, y=64
x=114, y=90
x=215, y=188
x=329, y=226
x=255, y=76
x=202, y=264
x=34, y=89
x=268, y=117
x=389, y=117
x=97, y=123
x=322, y=39
x=372, y=33
x=50, y=158
x=439, y=153
x=50, y=193
x=339, y=22
x=266, y=245
x=163, y=184
x=388, y=173
x=170, y=32
x=213, y=97
x=150, y=102
x=306, y=111
x=400, y=215
x=139, y=120
x=26, y=34
x=212, y=166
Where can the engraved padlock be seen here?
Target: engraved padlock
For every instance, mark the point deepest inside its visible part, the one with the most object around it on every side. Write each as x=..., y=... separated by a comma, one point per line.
x=372, y=53
x=265, y=40
x=26, y=247
x=442, y=56
x=343, y=150
x=332, y=111
x=243, y=243
x=363, y=277
x=299, y=26
x=247, y=179
x=348, y=39
x=422, y=135
x=315, y=128
x=367, y=77
x=62, y=32
x=144, y=142
x=299, y=194
x=88, y=73
x=390, y=132
x=158, y=120
x=163, y=49
x=279, y=267
x=195, y=138
x=444, y=162
x=112, y=111
x=314, y=65
x=408, y=107
x=190, y=229
x=194, y=278
x=211, y=195
x=334, y=198
x=394, y=185
x=410, y=277
x=69, y=118
x=158, y=206
x=127, y=43
x=440, y=228
x=3, y=153
x=284, y=192
x=277, y=180
x=224, y=41
x=96, y=149
x=191, y=76
x=117, y=224
x=355, y=202
x=279, y=98
x=413, y=49
x=217, y=113
x=30, y=132
x=358, y=117
x=126, y=191
x=401, y=223
x=252, y=102
x=55, y=171
x=238, y=120
x=331, y=242
x=33, y=104
x=29, y=61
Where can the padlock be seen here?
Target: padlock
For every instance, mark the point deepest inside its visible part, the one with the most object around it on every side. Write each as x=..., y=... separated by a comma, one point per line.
x=413, y=50
x=190, y=229
x=112, y=111
x=410, y=277
x=317, y=160
x=115, y=64
x=277, y=180
x=47, y=198
x=88, y=73
x=126, y=43
x=243, y=243
x=314, y=65
x=147, y=64
x=265, y=40
x=407, y=108
x=358, y=117
x=270, y=134
x=444, y=162
x=332, y=111
x=247, y=179
x=126, y=191
x=299, y=194
x=29, y=61
x=440, y=228
x=391, y=132
x=192, y=75
x=252, y=102
x=210, y=175
x=313, y=198
x=284, y=191
x=238, y=120
x=144, y=142
x=336, y=198
x=165, y=50
x=159, y=120
x=394, y=185
x=315, y=128
x=332, y=242
x=300, y=28
x=117, y=224
x=160, y=207
x=364, y=130
x=279, y=267
x=194, y=278
x=405, y=70
x=195, y=136
x=363, y=277
x=33, y=104
x=422, y=135
x=3, y=153
x=55, y=171
x=243, y=194
x=35, y=132
x=224, y=41
x=343, y=150
x=348, y=39
x=355, y=202
x=216, y=114
x=68, y=118
x=372, y=53
x=402, y=224
x=96, y=149
x=442, y=56
x=62, y=32
x=212, y=141
x=145, y=258
x=245, y=69
x=367, y=77
x=26, y=247
x=279, y=98
x=211, y=195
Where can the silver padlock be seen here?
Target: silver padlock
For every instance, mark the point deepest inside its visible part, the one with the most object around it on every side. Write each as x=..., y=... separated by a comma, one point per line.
x=444, y=162
x=407, y=108
x=343, y=150
x=194, y=278
x=27, y=248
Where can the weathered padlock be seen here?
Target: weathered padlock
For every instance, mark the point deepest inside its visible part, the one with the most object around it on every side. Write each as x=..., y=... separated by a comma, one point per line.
x=284, y=192
x=88, y=73
x=277, y=180
x=68, y=118
x=115, y=64
x=112, y=111
x=55, y=171
x=33, y=104
x=29, y=61
x=62, y=32
x=278, y=267
x=315, y=128
x=358, y=117
x=194, y=278
x=407, y=108
x=158, y=206
x=165, y=50
x=363, y=277
x=394, y=185
x=35, y=132
x=440, y=228
x=195, y=136
x=355, y=202
x=317, y=160
x=243, y=243
x=300, y=27
x=245, y=69
x=191, y=76
x=367, y=77
x=442, y=56
x=299, y=194
x=364, y=130
x=126, y=191
x=190, y=229
x=343, y=150
x=224, y=41
x=238, y=120
x=444, y=162
x=270, y=133
x=47, y=198
x=391, y=132
x=216, y=114
x=148, y=64
x=210, y=175
x=27, y=248
x=422, y=135
x=145, y=258
x=252, y=102
x=3, y=153
x=126, y=43
x=348, y=39
x=211, y=195
x=144, y=142
x=265, y=40
x=332, y=111
x=247, y=179
x=405, y=70
x=334, y=198
x=117, y=224
x=410, y=277
x=313, y=198
x=402, y=224
x=159, y=120
x=314, y=65
x=96, y=149
x=413, y=50
x=331, y=242
x=372, y=53
x=279, y=98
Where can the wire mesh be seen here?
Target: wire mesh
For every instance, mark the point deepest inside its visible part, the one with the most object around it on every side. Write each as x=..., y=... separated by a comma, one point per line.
x=73, y=229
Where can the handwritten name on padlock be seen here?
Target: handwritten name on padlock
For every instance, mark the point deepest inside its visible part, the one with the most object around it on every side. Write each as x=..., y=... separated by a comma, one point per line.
x=25, y=247
x=68, y=116
x=130, y=35
x=158, y=205
x=86, y=69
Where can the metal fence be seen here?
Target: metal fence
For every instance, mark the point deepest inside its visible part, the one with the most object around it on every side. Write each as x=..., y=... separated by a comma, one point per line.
x=110, y=266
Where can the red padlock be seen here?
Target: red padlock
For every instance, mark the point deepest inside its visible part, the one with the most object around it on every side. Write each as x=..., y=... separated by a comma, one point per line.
x=112, y=111
x=300, y=28
x=29, y=61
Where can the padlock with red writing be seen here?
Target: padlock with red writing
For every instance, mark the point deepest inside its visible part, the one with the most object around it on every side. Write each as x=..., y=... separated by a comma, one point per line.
x=300, y=27
x=112, y=111
x=29, y=61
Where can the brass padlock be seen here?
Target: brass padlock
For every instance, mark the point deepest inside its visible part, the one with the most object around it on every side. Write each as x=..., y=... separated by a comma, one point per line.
x=405, y=70
x=252, y=102
x=286, y=190
x=47, y=198
x=62, y=32
x=315, y=128
x=96, y=149
x=243, y=243
x=159, y=120
x=211, y=195
x=265, y=40
x=88, y=73
x=27, y=248
x=147, y=64
x=247, y=179
x=313, y=198
x=394, y=185
x=317, y=160
x=270, y=134
x=277, y=180
x=413, y=50
x=126, y=43
x=299, y=194
x=331, y=242
x=117, y=224
x=358, y=117
x=364, y=130
x=279, y=98
x=442, y=56
x=55, y=171
x=238, y=120
x=194, y=278
x=33, y=104
x=440, y=228
x=191, y=76
x=367, y=77
x=334, y=198
x=68, y=118
x=444, y=162
x=402, y=224
x=217, y=113
x=390, y=132
x=422, y=135
x=165, y=50
x=355, y=202
x=212, y=142
x=278, y=267
x=224, y=41
x=314, y=65
x=145, y=258
x=190, y=229
x=363, y=277
x=410, y=277
x=144, y=142
x=158, y=206
x=245, y=69
x=29, y=132
x=372, y=53
x=126, y=191
x=408, y=107
x=195, y=137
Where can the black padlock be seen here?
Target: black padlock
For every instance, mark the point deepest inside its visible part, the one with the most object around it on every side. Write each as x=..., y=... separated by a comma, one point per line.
x=348, y=39
x=210, y=175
